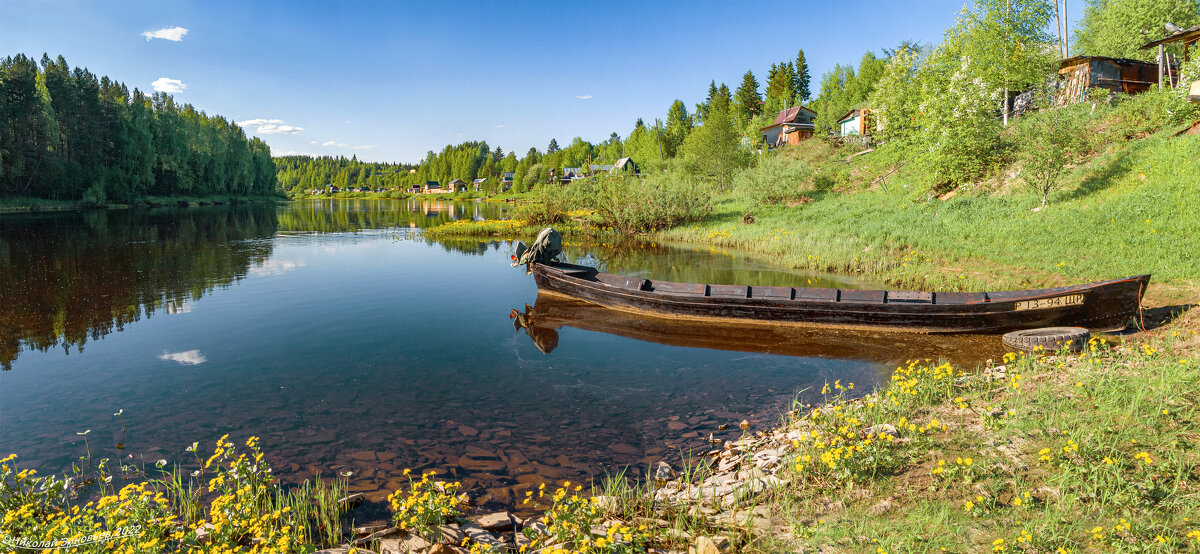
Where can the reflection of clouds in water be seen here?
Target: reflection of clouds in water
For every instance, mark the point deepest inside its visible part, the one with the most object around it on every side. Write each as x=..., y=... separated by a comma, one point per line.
x=190, y=357
x=276, y=267
x=173, y=307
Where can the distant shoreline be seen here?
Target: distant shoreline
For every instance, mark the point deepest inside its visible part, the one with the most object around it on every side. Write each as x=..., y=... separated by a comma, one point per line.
x=41, y=205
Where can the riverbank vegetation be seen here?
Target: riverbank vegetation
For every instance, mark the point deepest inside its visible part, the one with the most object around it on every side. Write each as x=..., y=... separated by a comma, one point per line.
x=68, y=135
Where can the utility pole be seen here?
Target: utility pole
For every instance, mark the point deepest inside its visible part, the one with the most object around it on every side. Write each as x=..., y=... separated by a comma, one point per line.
x=1058, y=26
x=1007, y=22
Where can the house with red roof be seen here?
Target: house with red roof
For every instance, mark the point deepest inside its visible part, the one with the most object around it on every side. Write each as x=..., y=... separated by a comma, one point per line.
x=791, y=126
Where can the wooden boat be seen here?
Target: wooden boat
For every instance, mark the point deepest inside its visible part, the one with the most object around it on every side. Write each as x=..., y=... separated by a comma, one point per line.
x=1099, y=306
x=551, y=312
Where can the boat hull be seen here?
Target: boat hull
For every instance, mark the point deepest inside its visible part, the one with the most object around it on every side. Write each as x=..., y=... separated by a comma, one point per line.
x=1100, y=306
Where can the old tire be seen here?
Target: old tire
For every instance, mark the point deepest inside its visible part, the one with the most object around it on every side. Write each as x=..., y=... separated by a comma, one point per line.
x=1050, y=339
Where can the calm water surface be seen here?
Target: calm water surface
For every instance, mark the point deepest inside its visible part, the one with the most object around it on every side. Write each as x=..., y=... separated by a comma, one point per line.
x=350, y=343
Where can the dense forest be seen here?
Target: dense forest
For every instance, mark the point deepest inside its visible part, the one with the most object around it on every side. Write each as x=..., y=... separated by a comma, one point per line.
x=66, y=134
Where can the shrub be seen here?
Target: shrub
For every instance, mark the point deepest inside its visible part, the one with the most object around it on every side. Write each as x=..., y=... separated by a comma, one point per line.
x=1049, y=140
x=549, y=203
x=776, y=179
x=634, y=205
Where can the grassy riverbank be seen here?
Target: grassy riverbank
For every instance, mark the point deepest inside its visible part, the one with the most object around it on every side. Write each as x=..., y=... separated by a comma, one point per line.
x=1089, y=452
x=1124, y=212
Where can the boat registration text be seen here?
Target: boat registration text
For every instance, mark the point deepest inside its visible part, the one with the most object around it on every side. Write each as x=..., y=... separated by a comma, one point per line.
x=1056, y=302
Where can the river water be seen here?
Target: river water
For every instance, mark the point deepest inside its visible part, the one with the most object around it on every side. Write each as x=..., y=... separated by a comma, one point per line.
x=350, y=343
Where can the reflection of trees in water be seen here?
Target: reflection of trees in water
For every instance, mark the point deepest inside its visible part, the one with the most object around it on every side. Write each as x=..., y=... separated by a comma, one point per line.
x=338, y=215
x=473, y=247
x=72, y=276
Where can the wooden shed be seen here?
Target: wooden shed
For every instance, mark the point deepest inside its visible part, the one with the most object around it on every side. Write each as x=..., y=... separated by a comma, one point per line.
x=1079, y=73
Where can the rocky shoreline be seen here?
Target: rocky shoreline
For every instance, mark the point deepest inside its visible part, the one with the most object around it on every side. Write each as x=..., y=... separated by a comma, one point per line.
x=734, y=473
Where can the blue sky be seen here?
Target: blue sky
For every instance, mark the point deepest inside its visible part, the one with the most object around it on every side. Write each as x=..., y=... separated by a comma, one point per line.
x=389, y=81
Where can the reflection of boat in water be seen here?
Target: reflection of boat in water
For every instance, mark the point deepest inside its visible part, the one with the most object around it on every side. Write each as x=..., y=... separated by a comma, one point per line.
x=550, y=313
x=1105, y=305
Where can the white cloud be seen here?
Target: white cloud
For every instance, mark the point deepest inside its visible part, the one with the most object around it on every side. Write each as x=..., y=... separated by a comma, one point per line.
x=275, y=267
x=163, y=84
x=257, y=122
x=271, y=127
x=183, y=307
x=584, y=97
x=189, y=357
x=332, y=143
x=500, y=126
x=312, y=142
x=365, y=146
x=166, y=33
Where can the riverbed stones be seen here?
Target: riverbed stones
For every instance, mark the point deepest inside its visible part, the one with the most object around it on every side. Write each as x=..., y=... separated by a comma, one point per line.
x=451, y=533
x=405, y=543
x=479, y=535
x=498, y=522
x=663, y=472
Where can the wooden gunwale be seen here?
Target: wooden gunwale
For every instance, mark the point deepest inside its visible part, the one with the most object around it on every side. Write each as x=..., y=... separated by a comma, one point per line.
x=1104, y=305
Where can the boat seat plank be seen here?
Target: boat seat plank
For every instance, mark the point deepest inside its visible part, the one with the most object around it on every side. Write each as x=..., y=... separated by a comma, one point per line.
x=862, y=296
x=819, y=295
x=667, y=287
x=622, y=281
x=960, y=297
x=771, y=293
x=909, y=297
x=729, y=291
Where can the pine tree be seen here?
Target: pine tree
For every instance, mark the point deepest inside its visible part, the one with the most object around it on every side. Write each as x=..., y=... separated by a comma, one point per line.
x=553, y=147
x=802, y=78
x=747, y=100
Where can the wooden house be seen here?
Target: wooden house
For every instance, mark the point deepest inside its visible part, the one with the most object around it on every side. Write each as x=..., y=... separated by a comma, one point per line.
x=855, y=122
x=433, y=187
x=1077, y=74
x=791, y=126
x=478, y=183
x=456, y=185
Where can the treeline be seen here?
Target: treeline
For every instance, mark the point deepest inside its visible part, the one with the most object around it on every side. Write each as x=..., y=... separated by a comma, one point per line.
x=66, y=134
x=302, y=173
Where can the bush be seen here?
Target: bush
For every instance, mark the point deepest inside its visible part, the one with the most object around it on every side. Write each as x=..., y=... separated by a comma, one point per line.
x=549, y=203
x=1149, y=111
x=659, y=201
x=775, y=180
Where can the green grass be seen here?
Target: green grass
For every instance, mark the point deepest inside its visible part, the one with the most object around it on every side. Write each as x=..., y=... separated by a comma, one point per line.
x=1127, y=211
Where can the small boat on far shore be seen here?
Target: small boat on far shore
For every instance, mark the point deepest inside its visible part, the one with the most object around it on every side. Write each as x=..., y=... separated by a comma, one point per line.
x=1100, y=306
